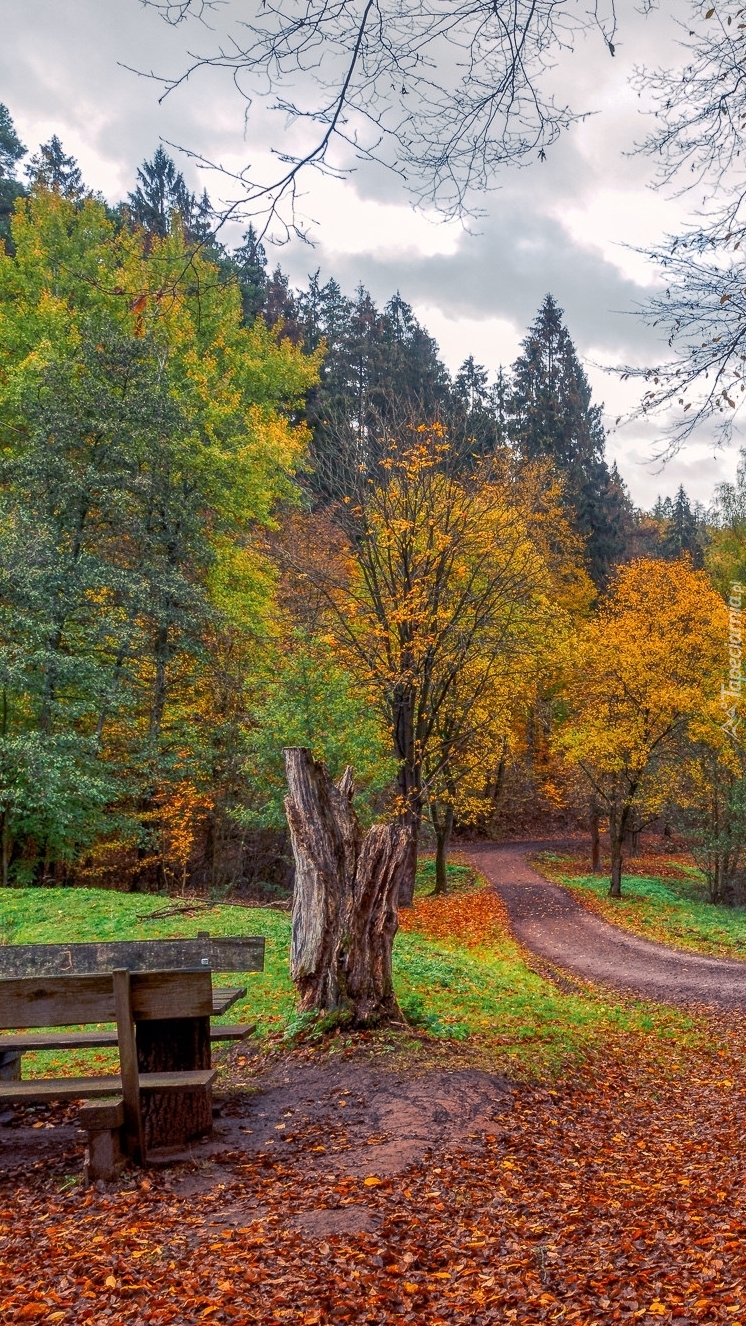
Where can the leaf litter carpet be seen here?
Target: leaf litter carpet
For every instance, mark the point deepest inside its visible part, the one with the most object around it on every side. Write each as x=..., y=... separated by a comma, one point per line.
x=341, y=1190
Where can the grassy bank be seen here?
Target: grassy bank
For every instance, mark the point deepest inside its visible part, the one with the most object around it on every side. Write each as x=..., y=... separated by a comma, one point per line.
x=459, y=975
x=669, y=908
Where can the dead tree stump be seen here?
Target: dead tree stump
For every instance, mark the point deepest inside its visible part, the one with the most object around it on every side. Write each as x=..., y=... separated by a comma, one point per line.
x=345, y=900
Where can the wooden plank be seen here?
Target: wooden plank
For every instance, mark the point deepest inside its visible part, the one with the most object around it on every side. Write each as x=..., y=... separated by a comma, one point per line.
x=222, y=1000
x=56, y=1001
x=236, y=952
x=157, y=995
x=241, y=953
x=133, y=1131
x=59, y=1040
x=99, y=1040
x=189, y=1080
x=43, y=1090
x=100, y=1115
x=60, y=1001
x=236, y=1031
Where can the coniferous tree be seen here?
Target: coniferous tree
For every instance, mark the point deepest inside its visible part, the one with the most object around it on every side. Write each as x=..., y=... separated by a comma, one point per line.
x=160, y=193
x=682, y=528
x=249, y=261
x=381, y=367
x=280, y=306
x=11, y=151
x=551, y=415
x=478, y=407
x=52, y=167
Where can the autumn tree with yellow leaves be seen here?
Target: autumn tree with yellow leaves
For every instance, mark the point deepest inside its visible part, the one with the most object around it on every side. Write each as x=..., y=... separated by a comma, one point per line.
x=436, y=580
x=647, y=667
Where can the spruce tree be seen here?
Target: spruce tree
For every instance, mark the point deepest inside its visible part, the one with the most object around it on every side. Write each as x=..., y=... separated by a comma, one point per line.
x=551, y=415
x=162, y=192
x=249, y=261
x=381, y=368
x=53, y=168
x=475, y=412
x=682, y=528
x=11, y=151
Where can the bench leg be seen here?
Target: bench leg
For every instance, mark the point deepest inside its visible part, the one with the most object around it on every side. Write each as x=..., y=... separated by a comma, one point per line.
x=104, y=1159
x=133, y=1132
x=173, y=1046
x=10, y=1065
x=103, y=1120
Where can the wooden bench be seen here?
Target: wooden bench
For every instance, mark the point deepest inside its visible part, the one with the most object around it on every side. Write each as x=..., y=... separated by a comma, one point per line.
x=171, y=1049
x=128, y=999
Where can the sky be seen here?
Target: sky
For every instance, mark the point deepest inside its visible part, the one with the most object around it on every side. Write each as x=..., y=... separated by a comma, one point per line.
x=568, y=225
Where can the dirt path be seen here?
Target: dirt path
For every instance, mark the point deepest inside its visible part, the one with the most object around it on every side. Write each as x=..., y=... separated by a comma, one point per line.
x=550, y=922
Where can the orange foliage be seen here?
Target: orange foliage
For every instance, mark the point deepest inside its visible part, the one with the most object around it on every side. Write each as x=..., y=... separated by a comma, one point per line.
x=473, y=918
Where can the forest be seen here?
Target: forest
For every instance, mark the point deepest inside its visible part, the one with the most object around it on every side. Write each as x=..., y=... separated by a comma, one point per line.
x=239, y=517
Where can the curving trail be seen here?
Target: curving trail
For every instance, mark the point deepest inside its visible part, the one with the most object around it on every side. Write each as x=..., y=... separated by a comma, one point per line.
x=551, y=923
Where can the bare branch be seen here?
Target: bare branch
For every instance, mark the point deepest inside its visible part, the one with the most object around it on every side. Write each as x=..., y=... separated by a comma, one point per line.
x=443, y=92
x=697, y=143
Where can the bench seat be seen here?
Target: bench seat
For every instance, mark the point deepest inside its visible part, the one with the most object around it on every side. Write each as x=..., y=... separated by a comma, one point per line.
x=43, y=1090
x=224, y=999
x=98, y=1040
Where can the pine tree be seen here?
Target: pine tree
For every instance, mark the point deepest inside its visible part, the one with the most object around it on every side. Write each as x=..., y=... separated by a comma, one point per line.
x=551, y=416
x=11, y=151
x=162, y=192
x=51, y=167
x=682, y=528
x=249, y=261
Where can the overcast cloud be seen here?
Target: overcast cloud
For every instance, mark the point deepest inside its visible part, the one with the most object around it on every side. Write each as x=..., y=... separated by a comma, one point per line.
x=559, y=226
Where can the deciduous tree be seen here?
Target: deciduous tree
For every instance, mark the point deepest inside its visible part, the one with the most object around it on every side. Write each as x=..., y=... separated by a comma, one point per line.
x=647, y=666
x=145, y=437
x=434, y=574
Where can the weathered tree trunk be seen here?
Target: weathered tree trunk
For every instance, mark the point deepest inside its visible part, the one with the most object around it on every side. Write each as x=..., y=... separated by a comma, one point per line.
x=345, y=900
x=595, y=840
x=442, y=818
x=172, y=1046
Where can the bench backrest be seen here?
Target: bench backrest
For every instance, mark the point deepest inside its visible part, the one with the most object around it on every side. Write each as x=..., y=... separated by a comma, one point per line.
x=63, y=1001
x=217, y=953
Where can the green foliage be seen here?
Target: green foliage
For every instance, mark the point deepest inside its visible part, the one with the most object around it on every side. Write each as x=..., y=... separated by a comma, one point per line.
x=143, y=440
x=725, y=557
x=11, y=151
x=673, y=912
x=311, y=701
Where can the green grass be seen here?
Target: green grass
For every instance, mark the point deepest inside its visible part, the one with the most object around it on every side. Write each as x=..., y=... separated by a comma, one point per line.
x=51, y=916
x=459, y=877
x=672, y=911
x=490, y=996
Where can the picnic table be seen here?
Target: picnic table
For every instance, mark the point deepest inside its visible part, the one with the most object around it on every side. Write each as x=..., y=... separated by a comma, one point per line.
x=167, y=1047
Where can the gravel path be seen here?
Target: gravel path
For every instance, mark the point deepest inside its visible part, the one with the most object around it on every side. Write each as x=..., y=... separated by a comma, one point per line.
x=550, y=922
